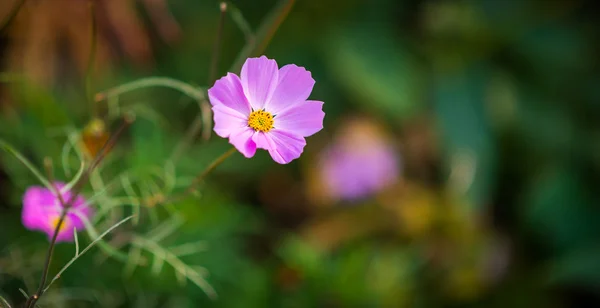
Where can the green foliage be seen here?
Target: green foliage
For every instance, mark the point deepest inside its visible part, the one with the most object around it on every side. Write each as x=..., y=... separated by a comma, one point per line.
x=493, y=106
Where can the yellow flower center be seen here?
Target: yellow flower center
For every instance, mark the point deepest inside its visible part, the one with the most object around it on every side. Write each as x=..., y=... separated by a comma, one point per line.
x=54, y=222
x=261, y=120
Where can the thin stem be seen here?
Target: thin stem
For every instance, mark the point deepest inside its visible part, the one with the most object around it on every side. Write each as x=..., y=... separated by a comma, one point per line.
x=36, y=296
x=215, y=163
x=109, y=144
x=264, y=34
x=91, y=59
x=241, y=22
x=187, y=89
x=50, y=173
x=216, y=48
x=198, y=179
x=204, y=105
x=66, y=205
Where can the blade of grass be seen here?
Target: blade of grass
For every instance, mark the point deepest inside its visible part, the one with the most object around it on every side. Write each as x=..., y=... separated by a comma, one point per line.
x=88, y=247
x=9, y=149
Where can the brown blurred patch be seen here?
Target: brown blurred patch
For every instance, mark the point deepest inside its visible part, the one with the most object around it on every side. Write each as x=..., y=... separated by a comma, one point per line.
x=94, y=137
x=47, y=37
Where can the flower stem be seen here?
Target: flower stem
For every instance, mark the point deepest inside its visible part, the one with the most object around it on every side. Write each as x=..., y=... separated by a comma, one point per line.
x=185, y=88
x=264, y=34
x=215, y=163
x=216, y=48
x=36, y=296
x=192, y=187
x=66, y=204
x=194, y=92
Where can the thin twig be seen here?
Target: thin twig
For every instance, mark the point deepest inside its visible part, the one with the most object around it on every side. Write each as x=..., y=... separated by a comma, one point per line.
x=213, y=165
x=264, y=34
x=214, y=62
x=66, y=205
x=198, y=179
x=187, y=89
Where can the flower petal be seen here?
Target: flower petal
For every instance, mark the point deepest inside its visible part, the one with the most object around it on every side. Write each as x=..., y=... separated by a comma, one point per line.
x=283, y=146
x=228, y=91
x=242, y=141
x=304, y=119
x=259, y=80
x=228, y=120
x=294, y=87
x=37, y=201
x=66, y=231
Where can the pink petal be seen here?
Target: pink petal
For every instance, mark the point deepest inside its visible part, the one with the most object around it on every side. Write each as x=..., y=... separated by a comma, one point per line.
x=283, y=146
x=304, y=119
x=37, y=201
x=66, y=232
x=228, y=120
x=242, y=141
x=294, y=87
x=259, y=80
x=228, y=91
x=77, y=214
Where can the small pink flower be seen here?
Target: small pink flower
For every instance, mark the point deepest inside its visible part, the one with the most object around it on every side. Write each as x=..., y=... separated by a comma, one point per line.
x=42, y=209
x=360, y=162
x=266, y=108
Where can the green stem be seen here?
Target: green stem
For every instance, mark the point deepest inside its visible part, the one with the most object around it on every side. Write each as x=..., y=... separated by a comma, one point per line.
x=213, y=165
x=66, y=204
x=36, y=296
x=216, y=48
x=185, y=88
x=264, y=34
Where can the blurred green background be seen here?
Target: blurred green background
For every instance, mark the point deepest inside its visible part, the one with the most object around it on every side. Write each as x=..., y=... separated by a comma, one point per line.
x=491, y=107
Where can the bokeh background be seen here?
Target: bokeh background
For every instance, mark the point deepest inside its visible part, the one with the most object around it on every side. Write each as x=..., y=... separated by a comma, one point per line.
x=459, y=164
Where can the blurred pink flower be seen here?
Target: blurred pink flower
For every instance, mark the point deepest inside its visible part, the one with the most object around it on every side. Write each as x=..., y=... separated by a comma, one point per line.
x=359, y=163
x=266, y=108
x=42, y=209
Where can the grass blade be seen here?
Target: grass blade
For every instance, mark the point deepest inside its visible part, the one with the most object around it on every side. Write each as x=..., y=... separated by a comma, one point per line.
x=76, y=241
x=88, y=247
x=4, y=303
x=9, y=149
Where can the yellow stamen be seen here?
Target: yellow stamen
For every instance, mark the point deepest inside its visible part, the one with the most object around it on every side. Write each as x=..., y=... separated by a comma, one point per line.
x=261, y=120
x=54, y=222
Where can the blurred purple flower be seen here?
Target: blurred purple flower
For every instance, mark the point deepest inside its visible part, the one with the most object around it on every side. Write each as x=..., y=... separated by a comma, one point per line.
x=42, y=209
x=359, y=163
x=266, y=108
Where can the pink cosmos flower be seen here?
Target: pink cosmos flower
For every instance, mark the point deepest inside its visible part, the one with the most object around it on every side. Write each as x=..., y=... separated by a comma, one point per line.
x=42, y=209
x=266, y=108
x=360, y=162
